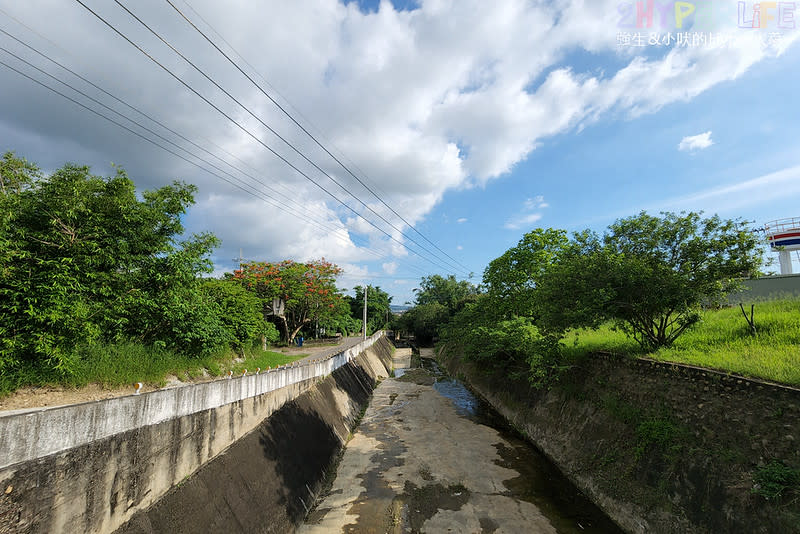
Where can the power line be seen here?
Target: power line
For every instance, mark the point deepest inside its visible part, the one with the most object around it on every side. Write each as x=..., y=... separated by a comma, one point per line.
x=287, y=102
x=177, y=134
x=273, y=200
x=265, y=125
x=251, y=191
x=249, y=133
x=210, y=41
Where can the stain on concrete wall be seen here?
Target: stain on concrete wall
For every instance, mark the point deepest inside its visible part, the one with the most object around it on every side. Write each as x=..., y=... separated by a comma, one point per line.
x=268, y=480
x=660, y=447
x=99, y=485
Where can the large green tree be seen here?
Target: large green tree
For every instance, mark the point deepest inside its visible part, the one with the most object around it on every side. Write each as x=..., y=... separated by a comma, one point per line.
x=651, y=274
x=447, y=291
x=512, y=279
x=84, y=259
x=378, y=307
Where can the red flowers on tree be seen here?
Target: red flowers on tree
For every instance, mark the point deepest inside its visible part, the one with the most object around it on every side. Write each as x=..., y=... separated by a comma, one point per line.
x=293, y=294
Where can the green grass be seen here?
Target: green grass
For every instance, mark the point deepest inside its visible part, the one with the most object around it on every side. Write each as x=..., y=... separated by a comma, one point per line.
x=264, y=359
x=722, y=341
x=124, y=364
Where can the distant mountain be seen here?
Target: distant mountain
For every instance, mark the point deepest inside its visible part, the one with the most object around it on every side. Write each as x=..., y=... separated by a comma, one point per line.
x=397, y=308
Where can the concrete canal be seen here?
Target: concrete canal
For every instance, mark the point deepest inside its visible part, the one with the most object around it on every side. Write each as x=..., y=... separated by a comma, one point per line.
x=431, y=457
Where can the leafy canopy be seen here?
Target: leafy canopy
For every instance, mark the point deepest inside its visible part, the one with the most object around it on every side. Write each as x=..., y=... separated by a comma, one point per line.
x=650, y=274
x=293, y=294
x=83, y=259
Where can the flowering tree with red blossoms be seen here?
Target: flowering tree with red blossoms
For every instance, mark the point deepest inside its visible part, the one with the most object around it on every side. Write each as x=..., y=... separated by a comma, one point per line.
x=293, y=294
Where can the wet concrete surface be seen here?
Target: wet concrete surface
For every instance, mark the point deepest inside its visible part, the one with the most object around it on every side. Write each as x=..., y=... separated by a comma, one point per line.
x=426, y=458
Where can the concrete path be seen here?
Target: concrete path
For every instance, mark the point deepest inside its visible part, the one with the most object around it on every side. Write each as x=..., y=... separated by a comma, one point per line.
x=416, y=465
x=323, y=352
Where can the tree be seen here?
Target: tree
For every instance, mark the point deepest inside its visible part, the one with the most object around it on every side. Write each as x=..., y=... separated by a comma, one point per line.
x=83, y=259
x=293, y=294
x=378, y=306
x=448, y=292
x=240, y=313
x=650, y=274
x=512, y=279
x=425, y=320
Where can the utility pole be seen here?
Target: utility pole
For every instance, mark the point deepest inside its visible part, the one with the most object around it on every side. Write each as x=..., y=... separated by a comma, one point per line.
x=365, y=312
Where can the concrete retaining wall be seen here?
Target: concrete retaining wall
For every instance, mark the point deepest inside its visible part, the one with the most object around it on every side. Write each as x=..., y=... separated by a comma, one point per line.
x=90, y=467
x=767, y=288
x=696, y=476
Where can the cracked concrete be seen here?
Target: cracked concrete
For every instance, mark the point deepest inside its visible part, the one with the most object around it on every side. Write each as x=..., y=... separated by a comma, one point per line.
x=416, y=465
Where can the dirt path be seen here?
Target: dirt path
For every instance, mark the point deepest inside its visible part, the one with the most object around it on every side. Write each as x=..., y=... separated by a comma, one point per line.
x=416, y=465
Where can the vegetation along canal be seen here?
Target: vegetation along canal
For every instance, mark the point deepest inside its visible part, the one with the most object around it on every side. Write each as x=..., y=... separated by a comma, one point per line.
x=429, y=456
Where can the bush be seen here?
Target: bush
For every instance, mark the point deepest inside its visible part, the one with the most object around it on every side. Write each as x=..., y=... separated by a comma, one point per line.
x=775, y=481
x=239, y=312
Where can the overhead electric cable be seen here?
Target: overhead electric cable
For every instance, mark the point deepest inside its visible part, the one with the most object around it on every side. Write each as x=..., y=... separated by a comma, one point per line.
x=275, y=201
x=250, y=134
x=262, y=183
x=309, y=134
x=265, y=125
x=252, y=191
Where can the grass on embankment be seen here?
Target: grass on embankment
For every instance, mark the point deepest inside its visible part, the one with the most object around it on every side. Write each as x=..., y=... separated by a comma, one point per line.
x=118, y=365
x=722, y=340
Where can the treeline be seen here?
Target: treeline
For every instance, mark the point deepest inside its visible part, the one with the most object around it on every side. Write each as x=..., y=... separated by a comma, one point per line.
x=84, y=262
x=648, y=275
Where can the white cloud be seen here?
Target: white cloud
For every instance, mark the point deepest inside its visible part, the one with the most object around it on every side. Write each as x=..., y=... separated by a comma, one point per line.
x=462, y=220
x=417, y=103
x=528, y=215
x=459, y=247
x=755, y=191
x=696, y=142
x=390, y=268
x=523, y=221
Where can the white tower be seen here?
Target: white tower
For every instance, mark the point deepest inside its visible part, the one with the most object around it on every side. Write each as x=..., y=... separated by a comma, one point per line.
x=784, y=237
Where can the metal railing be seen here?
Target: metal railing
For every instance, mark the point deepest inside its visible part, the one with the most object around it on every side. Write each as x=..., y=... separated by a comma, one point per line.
x=780, y=226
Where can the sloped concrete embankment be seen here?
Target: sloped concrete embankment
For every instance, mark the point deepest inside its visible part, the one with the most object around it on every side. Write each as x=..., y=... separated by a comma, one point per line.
x=661, y=448
x=248, y=465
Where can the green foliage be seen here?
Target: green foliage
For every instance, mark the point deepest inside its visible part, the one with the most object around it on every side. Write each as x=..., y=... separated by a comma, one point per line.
x=514, y=347
x=650, y=274
x=240, y=313
x=378, y=307
x=775, y=480
x=83, y=260
x=425, y=320
x=657, y=434
x=720, y=340
x=447, y=292
x=513, y=278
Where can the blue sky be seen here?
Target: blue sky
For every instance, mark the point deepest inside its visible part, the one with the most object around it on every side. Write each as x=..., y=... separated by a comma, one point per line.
x=475, y=121
x=622, y=165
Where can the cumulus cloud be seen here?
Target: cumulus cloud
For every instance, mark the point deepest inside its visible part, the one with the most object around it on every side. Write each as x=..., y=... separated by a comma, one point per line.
x=450, y=95
x=696, y=142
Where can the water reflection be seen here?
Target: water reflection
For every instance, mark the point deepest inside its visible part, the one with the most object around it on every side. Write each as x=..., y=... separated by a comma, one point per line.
x=538, y=480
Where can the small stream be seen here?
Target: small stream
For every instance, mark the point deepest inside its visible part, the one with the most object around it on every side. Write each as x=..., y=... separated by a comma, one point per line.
x=540, y=482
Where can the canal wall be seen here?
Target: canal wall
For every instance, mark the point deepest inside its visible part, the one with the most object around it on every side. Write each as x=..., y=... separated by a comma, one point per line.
x=660, y=447
x=240, y=455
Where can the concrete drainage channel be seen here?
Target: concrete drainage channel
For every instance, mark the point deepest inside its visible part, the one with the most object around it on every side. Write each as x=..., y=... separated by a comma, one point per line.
x=241, y=455
x=429, y=456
